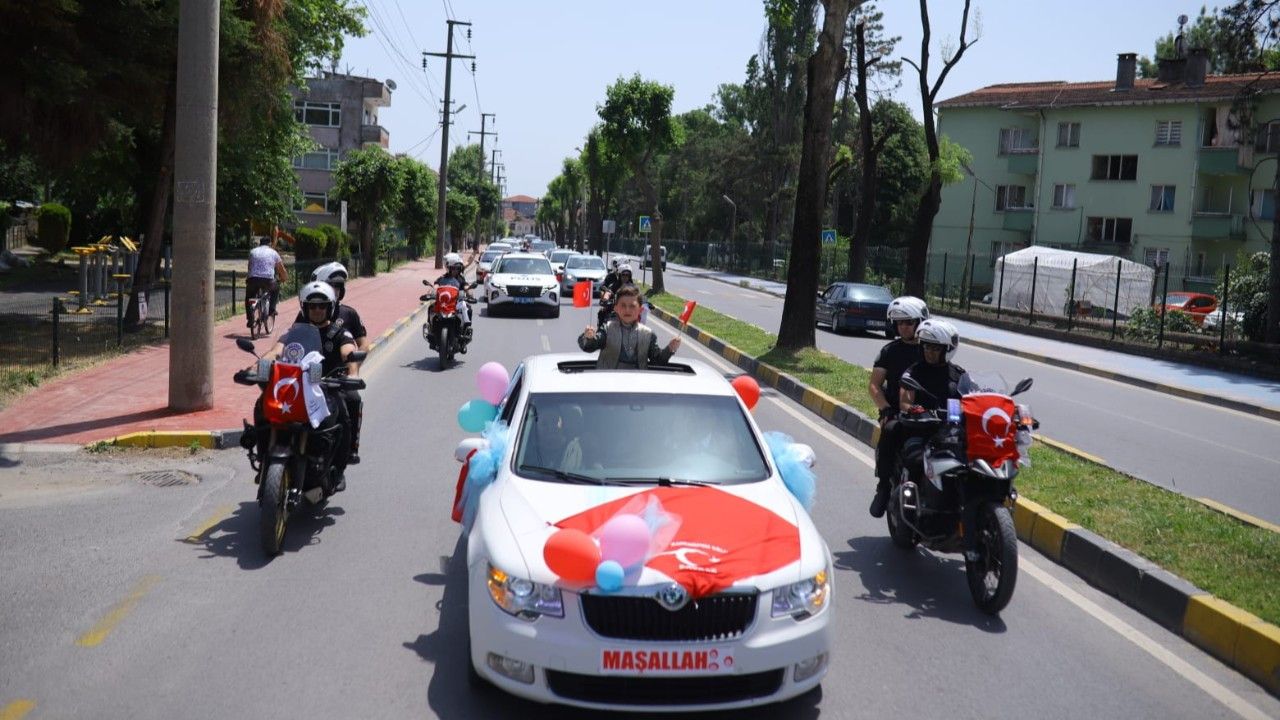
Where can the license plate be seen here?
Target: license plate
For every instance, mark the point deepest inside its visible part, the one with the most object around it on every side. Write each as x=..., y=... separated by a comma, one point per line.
x=875, y=323
x=522, y=301
x=667, y=661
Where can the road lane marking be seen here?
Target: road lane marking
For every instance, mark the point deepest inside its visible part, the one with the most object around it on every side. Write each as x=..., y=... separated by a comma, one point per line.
x=1213, y=688
x=219, y=515
x=99, y=632
x=17, y=709
x=546, y=344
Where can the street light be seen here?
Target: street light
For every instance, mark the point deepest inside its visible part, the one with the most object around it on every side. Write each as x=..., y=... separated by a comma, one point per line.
x=733, y=231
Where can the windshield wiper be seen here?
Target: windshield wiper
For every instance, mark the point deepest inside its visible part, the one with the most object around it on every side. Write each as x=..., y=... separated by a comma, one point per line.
x=564, y=476
x=659, y=481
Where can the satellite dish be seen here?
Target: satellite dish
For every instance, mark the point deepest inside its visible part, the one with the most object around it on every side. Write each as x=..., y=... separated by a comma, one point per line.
x=391, y=83
x=1182, y=19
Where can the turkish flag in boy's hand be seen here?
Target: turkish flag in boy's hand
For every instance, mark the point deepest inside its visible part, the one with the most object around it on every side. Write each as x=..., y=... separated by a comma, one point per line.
x=688, y=311
x=582, y=294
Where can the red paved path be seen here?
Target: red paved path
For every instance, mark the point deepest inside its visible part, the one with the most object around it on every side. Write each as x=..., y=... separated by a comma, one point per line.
x=131, y=393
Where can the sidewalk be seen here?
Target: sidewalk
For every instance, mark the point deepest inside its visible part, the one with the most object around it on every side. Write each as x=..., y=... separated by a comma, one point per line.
x=1239, y=392
x=129, y=395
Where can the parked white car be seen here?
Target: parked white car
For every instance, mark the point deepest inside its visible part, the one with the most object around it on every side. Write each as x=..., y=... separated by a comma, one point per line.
x=580, y=268
x=727, y=602
x=1213, y=321
x=522, y=280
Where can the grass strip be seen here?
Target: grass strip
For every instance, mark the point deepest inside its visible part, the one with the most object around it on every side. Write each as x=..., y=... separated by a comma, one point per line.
x=1233, y=560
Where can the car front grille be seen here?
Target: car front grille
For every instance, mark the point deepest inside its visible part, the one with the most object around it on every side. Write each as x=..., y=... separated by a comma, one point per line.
x=711, y=619
x=524, y=291
x=664, y=690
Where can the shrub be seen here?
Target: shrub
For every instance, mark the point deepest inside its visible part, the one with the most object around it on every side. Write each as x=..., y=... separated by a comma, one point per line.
x=337, y=243
x=1249, y=278
x=310, y=244
x=53, y=227
x=1144, y=323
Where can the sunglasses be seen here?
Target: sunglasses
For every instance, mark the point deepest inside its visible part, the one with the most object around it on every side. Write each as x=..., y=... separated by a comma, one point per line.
x=934, y=347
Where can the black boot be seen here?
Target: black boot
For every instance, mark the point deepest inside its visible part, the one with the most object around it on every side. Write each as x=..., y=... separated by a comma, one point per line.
x=880, y=501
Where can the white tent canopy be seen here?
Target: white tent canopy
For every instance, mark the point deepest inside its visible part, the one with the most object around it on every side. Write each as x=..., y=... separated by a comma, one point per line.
x=1095, y=281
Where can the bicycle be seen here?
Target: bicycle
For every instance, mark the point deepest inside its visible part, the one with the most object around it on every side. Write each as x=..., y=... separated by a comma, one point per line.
x=263, y=321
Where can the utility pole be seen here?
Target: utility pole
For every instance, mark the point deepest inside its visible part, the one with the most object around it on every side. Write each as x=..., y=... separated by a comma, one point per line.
x=195, y=201
x=493, y=178
x=446, y=120
x=480, y=177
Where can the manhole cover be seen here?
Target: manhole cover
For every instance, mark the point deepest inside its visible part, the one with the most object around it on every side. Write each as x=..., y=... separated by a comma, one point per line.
x=166, y=478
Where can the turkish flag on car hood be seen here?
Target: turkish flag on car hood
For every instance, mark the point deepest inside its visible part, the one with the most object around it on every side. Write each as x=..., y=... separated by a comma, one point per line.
x=722, y=537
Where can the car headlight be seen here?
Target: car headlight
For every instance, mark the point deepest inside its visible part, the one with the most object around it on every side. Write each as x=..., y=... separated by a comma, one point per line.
x=525, y=599
x=804, y=598
x=497, y=285
x=570, y=278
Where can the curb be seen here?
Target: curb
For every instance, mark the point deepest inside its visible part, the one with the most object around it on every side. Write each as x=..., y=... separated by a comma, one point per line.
x=1238, y=638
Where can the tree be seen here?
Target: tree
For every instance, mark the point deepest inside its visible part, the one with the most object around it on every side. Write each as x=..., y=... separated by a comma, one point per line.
x=467, y=177
x=825, y=69
x=638, y=125
x=1205, y=32
x=931, y=197
x=460, y=213
x=372, y=184
x=418, y=199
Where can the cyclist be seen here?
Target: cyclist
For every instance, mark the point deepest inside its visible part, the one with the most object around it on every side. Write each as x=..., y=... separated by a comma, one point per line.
x=266, y=272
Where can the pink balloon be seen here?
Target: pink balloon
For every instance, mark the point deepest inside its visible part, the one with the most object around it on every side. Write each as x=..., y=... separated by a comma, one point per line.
x=492, y=380
x=624, y=539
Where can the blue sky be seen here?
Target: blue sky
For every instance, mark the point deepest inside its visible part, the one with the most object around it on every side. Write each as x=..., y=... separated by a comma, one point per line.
x=542, y=67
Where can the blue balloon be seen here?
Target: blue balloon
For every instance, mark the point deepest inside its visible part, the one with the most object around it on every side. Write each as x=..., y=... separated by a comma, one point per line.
x=609, y=575
x=475, y=413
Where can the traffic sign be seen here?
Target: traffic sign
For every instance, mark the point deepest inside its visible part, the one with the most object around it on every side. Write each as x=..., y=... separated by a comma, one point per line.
x=829, y=236
x=646, y=224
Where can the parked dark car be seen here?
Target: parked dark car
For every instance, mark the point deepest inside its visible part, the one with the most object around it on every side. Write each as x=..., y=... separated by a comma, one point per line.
x=855, y=306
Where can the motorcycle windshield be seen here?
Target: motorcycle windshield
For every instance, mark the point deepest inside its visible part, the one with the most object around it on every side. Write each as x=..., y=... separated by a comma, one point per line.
x=983, y=382
x=300, y=340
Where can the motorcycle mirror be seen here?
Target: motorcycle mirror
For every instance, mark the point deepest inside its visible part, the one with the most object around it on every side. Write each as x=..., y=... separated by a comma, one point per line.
x=426, y=298
x=246, y=345
x=1022, y=386
x=426, y=282
x=357, y=356
x=910, y=382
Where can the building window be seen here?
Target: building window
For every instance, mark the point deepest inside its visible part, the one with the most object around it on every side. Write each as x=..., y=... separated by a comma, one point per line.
x=1011, y=197
x=1168, y=132
x=322, y=159
x=1064, y=196
x=1162, y=198
x=1155, y=257
x=1013, y=140
x=1000, y=249
x=1262, y=204
x=318, y=114
x=315, y=202
x=1068, y=134
x=1115, y=167
x=1267, y=139
x=1114, y=230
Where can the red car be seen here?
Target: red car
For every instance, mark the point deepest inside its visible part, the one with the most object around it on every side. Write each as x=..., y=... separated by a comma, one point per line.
x=1194, y=304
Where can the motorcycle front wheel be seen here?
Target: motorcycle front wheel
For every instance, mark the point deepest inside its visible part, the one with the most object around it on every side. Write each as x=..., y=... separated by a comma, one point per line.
x=993, y=575
x=442, y=344
x=902, y=536
x=273, y=511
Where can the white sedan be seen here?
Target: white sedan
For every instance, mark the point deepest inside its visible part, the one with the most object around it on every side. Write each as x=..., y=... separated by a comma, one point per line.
x=522, y=280
x=582, y=268
x=716, y=596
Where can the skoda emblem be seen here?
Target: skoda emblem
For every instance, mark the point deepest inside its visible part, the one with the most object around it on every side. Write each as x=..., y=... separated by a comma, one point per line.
x=672, y=597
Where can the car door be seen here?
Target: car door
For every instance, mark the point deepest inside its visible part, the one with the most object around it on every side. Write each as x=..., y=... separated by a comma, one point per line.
x=826, y=303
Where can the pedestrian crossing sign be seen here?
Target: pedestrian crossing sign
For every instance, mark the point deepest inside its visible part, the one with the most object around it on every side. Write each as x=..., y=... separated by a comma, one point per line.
x=829, y=237
x=646, y=224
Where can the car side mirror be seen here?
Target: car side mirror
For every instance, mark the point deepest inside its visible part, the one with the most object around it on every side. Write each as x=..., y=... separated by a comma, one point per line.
x=465, y=448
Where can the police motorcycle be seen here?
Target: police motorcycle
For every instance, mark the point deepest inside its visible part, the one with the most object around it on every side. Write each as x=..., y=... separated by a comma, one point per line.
x=299, y=430
x=955, y=481
x=443, y=329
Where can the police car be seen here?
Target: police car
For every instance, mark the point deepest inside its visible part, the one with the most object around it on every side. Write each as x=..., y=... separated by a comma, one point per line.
x=522, y=281
x=638, y=550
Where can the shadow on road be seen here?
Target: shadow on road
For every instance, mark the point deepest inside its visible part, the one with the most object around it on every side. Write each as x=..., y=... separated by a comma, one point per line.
x=237, y=535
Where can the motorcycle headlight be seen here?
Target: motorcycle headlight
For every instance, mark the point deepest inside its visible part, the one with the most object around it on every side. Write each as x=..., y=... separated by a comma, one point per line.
x=525, y=599
x=805, y=598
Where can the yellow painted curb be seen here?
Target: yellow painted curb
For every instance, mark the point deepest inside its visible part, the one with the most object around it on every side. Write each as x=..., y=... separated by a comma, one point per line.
x=1024, y=517
x=162, y=438
x=1241, y=516
x=1214, y=625
x=1258, y=654
x=1047, y=534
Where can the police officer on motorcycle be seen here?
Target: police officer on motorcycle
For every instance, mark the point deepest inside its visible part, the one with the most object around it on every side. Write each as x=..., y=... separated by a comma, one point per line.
x=905, y=313
x=936, y=373
x=335, y=274
x=453, y=276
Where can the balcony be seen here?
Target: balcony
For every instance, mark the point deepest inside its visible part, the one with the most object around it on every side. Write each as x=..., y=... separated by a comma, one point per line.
x=1020, y=219
x=1024, y=161
x=375, y=135
x=1217, y=225
x=1221, y=161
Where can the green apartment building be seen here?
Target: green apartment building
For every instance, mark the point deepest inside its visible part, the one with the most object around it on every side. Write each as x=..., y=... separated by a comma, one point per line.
x=1152, y=170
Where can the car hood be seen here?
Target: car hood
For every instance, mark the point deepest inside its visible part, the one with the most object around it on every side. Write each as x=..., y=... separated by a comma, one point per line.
x=705, y=555
x=522, y=279
x=586, y=273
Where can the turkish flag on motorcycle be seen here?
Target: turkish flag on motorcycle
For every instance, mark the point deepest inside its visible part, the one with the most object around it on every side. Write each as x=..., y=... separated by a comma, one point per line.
x=284, y=400
x=989, y=428
x=582, y=294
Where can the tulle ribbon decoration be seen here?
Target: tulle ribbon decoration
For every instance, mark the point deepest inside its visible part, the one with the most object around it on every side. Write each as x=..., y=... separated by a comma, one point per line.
x=793, y=461
x=482, y=468
x=617, y=551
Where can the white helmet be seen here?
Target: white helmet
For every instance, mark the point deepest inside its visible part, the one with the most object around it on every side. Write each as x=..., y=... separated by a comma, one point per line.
x=940, y=332
x=318, y=292
x=907, y=307
x=452, y=259
x=626, y=269
x=334, y=273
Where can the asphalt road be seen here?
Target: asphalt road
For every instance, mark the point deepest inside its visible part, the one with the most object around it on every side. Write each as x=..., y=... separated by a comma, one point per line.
x=126, y=600
x=1198, y=449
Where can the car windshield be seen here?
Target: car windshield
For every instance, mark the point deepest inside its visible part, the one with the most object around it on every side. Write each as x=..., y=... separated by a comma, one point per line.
x=1177, y=300
x=524, y=266
x=543, y=245
x=490, y=255
x=560, y=256
x=586, y=262
x=630, y=438
x=869, y=293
